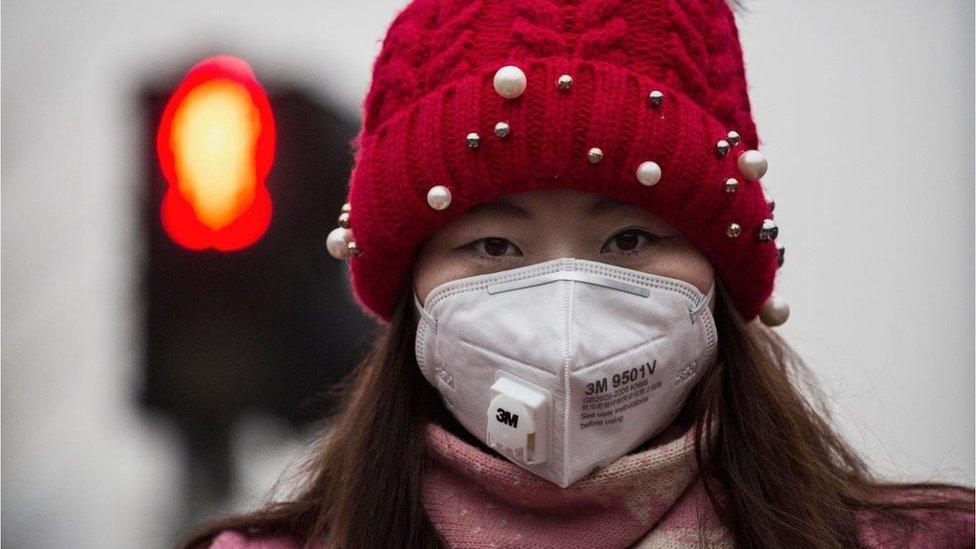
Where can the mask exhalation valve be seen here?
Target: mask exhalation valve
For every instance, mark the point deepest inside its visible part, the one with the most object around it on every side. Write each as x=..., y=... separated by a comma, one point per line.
x=517, y=421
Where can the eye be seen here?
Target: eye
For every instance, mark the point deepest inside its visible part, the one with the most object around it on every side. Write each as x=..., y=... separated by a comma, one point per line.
x=629, y=241
x=494, y=247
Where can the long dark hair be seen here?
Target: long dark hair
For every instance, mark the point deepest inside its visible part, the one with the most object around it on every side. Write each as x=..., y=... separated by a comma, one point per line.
x=775, y=470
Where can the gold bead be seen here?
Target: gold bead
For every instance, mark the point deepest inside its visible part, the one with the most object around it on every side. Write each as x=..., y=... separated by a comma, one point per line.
x=344, y=220
x=346, y=208
x=722, y=148
x=734, y=230
x=564, y=82
x=734, y=137
x=656, y=98
x=731, y=185
x=595, y=155
x=768, y=231
x=353, y=249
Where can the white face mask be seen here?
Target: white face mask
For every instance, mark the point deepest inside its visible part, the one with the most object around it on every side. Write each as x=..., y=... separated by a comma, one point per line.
x=566, y=365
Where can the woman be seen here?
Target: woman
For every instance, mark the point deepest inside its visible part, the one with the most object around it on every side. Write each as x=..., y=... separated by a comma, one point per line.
x=556, y=210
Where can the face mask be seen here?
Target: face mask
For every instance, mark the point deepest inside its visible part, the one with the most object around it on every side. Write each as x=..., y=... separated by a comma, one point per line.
x=566, y=365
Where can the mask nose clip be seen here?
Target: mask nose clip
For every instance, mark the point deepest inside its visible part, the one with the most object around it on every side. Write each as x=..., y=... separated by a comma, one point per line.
x=574, y=276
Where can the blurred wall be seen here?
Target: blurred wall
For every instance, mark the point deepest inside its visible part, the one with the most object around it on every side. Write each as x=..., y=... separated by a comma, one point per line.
x=866, y=113
x=865, y=109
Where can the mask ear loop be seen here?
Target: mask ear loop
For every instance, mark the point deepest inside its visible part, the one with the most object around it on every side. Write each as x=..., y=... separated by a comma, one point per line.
x=420, y=308
x=703, y=303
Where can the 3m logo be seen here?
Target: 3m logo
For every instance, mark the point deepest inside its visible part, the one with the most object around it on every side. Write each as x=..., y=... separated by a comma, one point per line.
x=506, y=417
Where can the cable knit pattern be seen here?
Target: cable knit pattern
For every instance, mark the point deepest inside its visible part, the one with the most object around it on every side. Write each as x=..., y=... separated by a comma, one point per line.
x=432, y=85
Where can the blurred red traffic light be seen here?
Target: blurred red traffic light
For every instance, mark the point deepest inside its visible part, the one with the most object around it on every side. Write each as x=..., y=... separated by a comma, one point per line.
x=216, y=144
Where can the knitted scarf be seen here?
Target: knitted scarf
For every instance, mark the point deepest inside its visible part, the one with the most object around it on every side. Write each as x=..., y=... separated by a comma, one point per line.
x=651, y=498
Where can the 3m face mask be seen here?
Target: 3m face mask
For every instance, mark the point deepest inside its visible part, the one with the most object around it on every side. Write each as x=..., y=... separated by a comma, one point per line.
x=566, y=365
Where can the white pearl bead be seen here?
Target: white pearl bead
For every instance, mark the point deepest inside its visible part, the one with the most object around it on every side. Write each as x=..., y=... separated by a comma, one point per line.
x=337, y=243
x=439, y=197
x=510, y=82
x=774, y=311
x=752, y=165
x=648, y=173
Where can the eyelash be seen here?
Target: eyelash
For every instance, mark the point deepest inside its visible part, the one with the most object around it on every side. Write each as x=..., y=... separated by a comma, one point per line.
x=477, y=247
x=650, y=237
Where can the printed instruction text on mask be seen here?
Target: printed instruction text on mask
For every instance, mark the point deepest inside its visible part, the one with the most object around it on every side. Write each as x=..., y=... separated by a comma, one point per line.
x=606, y=398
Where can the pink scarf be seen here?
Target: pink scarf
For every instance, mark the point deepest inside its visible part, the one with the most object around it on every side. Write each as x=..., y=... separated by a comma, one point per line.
x=651, y=498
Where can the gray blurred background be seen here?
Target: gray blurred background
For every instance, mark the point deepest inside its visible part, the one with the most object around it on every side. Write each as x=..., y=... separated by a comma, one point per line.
x=866, y=113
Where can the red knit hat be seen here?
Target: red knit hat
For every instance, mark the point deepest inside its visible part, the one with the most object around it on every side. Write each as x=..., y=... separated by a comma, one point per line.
x=642, y=101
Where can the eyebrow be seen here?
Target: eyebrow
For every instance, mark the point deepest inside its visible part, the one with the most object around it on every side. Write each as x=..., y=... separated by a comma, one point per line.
x=604, y=205
x=502, y=207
